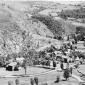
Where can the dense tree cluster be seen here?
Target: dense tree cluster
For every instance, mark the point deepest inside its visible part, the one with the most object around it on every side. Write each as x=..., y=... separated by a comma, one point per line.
x=77, y=54
x=80, y=29
x=53, y=25
x=80, y=34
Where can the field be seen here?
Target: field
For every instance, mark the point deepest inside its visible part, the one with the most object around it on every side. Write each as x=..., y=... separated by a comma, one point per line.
x=44, y=75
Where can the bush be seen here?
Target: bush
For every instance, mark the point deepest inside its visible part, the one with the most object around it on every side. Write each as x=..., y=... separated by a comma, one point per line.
x=36, y=80
x=57, y=79
x=32, y=81
x=10, y=83
x=17, y=82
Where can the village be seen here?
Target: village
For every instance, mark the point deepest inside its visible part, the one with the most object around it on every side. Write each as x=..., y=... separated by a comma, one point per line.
x=67, y=53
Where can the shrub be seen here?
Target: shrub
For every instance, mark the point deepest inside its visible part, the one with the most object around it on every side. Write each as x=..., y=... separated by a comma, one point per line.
x=10, y=82
x=57, y=79
x=32, y=81
x=17, y=82
x=36, y=80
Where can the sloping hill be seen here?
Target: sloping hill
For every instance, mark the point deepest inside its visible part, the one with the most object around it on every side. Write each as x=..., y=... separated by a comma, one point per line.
x=10, y=33
x=53, y=25
x=15, y=28
x=18, y=31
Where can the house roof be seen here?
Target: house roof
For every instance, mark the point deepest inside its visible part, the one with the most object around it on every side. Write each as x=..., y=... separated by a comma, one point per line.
x=19, y=59
x=77, y=59
x=64, y=56
x=43, y=48
x=13, y=64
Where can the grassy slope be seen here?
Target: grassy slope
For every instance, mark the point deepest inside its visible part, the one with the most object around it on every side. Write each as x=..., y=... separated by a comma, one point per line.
x=12, y=23
x=8, y=32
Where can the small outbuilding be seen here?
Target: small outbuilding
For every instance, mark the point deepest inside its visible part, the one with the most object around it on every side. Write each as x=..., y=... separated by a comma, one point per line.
x=12, y=67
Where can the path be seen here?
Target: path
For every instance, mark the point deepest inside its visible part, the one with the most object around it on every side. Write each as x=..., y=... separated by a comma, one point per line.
x=77, y=77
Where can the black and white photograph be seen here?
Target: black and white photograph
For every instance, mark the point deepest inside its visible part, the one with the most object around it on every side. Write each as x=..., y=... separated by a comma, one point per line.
x=42, y=42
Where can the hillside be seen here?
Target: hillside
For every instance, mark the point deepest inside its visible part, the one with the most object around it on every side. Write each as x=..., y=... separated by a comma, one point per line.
x=53, y=25
x=16, y=30
x=10, y=33
x=19, y=31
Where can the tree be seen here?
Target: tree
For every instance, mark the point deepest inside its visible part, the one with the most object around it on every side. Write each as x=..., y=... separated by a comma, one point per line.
x=62, y=65
x=42, y=54
x=36, y=80
x=29, y=57
x=24, y=65
x=66, y=74
x=25, y=51
x=32, y=81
